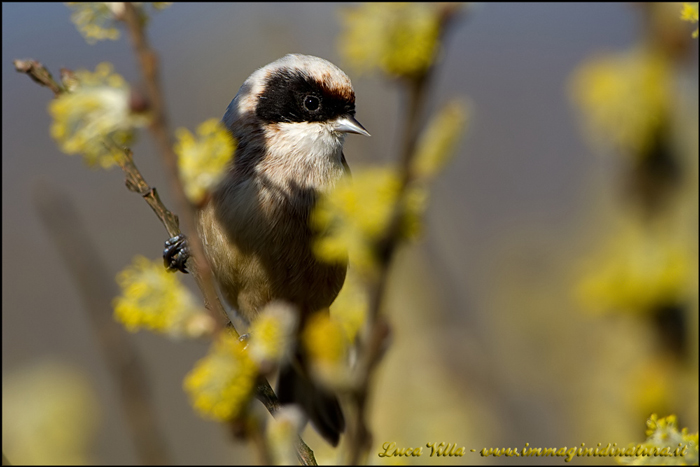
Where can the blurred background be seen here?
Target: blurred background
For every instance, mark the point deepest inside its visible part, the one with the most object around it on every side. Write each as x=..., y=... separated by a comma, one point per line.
x=525, y=313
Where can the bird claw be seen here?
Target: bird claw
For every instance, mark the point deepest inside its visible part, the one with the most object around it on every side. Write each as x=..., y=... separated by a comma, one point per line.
x=176, y=253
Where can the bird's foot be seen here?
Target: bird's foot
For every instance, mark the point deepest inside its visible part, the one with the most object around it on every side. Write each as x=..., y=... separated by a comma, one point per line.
x=176, y=253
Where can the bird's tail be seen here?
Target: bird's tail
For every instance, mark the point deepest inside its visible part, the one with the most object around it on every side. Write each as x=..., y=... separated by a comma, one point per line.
x=320, y=405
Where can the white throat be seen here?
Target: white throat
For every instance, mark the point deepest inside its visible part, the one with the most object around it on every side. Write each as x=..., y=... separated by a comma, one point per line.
x=308, y=154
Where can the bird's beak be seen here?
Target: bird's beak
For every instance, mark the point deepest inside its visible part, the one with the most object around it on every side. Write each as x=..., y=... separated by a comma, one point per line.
x=348, y=124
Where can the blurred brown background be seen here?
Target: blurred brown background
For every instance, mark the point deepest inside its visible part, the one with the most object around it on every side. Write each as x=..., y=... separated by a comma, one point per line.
x=491, y=348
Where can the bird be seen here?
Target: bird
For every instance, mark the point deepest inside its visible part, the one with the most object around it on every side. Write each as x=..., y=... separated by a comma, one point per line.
x=289, y=119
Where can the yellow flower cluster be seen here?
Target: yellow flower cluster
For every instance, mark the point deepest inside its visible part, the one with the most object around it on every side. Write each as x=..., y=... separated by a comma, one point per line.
x=400, y=39
x=624, y=98
x=327, y=348
x=96, y=20
x=690, y=13
x=282, y=434
x=221, y=384
x=272, y=334
x=640, y=269
x=354, y=214
x=94, y=119
x=415, y=203
x=350, y=307
x=202, y=159
x=438, y=140
x=663, y=434
x=154, y=299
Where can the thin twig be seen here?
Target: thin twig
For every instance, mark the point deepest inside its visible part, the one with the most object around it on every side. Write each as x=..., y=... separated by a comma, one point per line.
x=266, y=395
x=97, y=288
x=360, y=437
x=148, y=61
x=38, y=73
x=136, y=183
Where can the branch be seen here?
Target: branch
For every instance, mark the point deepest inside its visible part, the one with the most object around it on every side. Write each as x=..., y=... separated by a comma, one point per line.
x=266, y=395
x=136, y=183
x=148, y=60
x=360, y=438
x=38, y=73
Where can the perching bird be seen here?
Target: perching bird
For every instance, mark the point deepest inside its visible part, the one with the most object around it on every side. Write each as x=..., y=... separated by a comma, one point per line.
x=289, y=119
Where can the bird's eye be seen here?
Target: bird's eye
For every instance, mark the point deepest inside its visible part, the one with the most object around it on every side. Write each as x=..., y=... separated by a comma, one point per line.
x=311, y=103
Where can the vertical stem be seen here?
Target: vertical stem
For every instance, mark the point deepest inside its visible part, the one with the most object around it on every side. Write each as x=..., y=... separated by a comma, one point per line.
x=148, y=61
x=360, y=438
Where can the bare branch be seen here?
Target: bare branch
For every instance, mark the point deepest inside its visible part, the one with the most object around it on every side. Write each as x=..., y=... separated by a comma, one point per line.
x=39, y=74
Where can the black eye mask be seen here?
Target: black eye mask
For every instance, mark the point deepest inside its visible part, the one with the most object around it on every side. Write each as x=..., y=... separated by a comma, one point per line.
x=293, y=96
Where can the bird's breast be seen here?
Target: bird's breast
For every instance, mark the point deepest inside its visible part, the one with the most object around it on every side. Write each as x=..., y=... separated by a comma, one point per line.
x=265, y=249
